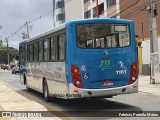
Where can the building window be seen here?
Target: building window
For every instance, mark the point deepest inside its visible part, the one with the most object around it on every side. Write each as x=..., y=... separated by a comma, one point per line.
x=85, y=1
x=101, y=8
x=115, y=16
x=60, y=17
x=61, y=45
x=87, y=14
x=94, y=12
x=110, y=3
x=60, y=4
x=53, y=47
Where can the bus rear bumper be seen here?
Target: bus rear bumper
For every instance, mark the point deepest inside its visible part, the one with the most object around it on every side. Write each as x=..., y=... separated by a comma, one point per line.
x=87, y=93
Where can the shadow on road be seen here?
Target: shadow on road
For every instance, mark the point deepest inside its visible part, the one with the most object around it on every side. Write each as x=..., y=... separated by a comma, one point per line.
x=81, y=107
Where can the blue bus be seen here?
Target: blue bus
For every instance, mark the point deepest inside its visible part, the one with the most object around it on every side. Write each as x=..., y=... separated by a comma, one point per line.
x=82, y=59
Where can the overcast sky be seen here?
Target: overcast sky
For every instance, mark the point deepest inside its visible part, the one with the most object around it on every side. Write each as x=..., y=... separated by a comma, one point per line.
x=14, y=13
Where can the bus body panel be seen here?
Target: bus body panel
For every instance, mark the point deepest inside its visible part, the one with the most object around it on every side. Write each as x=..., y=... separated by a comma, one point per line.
x=53, y=73
x=104, y=72
x=96, y=68
x=89, y=93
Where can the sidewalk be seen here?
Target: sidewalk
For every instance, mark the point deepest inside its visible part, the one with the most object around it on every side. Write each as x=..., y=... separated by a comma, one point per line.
x=146, y=87
x=10, y=100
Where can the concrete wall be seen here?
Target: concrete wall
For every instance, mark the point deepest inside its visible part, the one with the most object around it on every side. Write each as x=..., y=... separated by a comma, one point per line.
x=146, y=56
x=73, y=10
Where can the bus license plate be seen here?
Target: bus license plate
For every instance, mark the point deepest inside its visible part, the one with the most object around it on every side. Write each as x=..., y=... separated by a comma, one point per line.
x=107, y=84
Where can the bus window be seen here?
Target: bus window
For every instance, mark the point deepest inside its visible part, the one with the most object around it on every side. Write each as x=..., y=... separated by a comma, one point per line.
x=90, y=43
x=111, y=41
x=31, y=52
x=100, y=42
x=23, y=54
x=46, y=49
x=124, y=39
x=40, y=50
x=61, y=47
x=28, y=53
x=90, y=35
x=35, y=52
x=53, y=48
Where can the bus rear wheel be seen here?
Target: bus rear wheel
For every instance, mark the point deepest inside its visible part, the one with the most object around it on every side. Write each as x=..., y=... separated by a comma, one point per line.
x=47, y=98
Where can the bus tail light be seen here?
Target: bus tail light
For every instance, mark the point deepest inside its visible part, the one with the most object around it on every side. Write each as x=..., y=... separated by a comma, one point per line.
x=76, y=77
x=133, y=73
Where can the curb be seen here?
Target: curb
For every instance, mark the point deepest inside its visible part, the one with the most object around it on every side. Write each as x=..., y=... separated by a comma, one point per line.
x=10, y=100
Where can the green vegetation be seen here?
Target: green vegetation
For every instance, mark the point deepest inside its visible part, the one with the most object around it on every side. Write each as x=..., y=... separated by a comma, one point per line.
x=3, y=54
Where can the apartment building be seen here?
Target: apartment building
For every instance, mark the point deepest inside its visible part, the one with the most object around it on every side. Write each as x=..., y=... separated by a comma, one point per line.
x=137, y=10
x=106, y=8
x=65, y=10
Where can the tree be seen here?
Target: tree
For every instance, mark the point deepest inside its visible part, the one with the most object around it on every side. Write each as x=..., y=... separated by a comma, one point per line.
x=3, y=54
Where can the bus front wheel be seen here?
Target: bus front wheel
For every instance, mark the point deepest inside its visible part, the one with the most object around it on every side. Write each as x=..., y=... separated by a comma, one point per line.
x=47, y=98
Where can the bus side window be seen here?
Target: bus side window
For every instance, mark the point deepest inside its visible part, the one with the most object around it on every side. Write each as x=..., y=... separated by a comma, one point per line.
x=31, y=52
x=35, y=52
x=46, y=49
x=40, y=50
x=28, y=53
x=53, y=48
x=61, y=45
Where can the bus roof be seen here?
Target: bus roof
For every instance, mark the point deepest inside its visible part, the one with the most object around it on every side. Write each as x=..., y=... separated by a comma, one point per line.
x=44, y=33
x=93, y=20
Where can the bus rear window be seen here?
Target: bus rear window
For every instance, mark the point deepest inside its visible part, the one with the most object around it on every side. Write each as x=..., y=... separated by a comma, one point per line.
x=102, y=35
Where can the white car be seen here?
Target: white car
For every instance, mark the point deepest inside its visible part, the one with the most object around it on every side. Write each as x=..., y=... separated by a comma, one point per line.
x=15, y=69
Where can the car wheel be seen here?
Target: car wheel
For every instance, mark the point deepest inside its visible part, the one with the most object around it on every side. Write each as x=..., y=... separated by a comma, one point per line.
x=13, y=71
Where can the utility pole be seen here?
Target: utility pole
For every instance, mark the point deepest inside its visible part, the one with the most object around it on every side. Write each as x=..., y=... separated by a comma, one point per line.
x=8, y=54
x=0, y=36
x=54, y=13
x=153, y=27
x=97, y=9
x=142, y=31
x=27, y=30
x=153, y=37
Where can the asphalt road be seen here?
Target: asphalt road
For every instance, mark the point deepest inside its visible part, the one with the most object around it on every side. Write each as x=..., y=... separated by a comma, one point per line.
x=130, y=102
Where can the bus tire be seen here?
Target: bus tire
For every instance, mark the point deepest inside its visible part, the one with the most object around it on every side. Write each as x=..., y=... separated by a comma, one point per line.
x=47, y=98
x=27, y=88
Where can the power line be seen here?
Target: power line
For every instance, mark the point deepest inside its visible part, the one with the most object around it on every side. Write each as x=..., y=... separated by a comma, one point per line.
x=36, y=19
x=142, y=8
x=133, y=4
